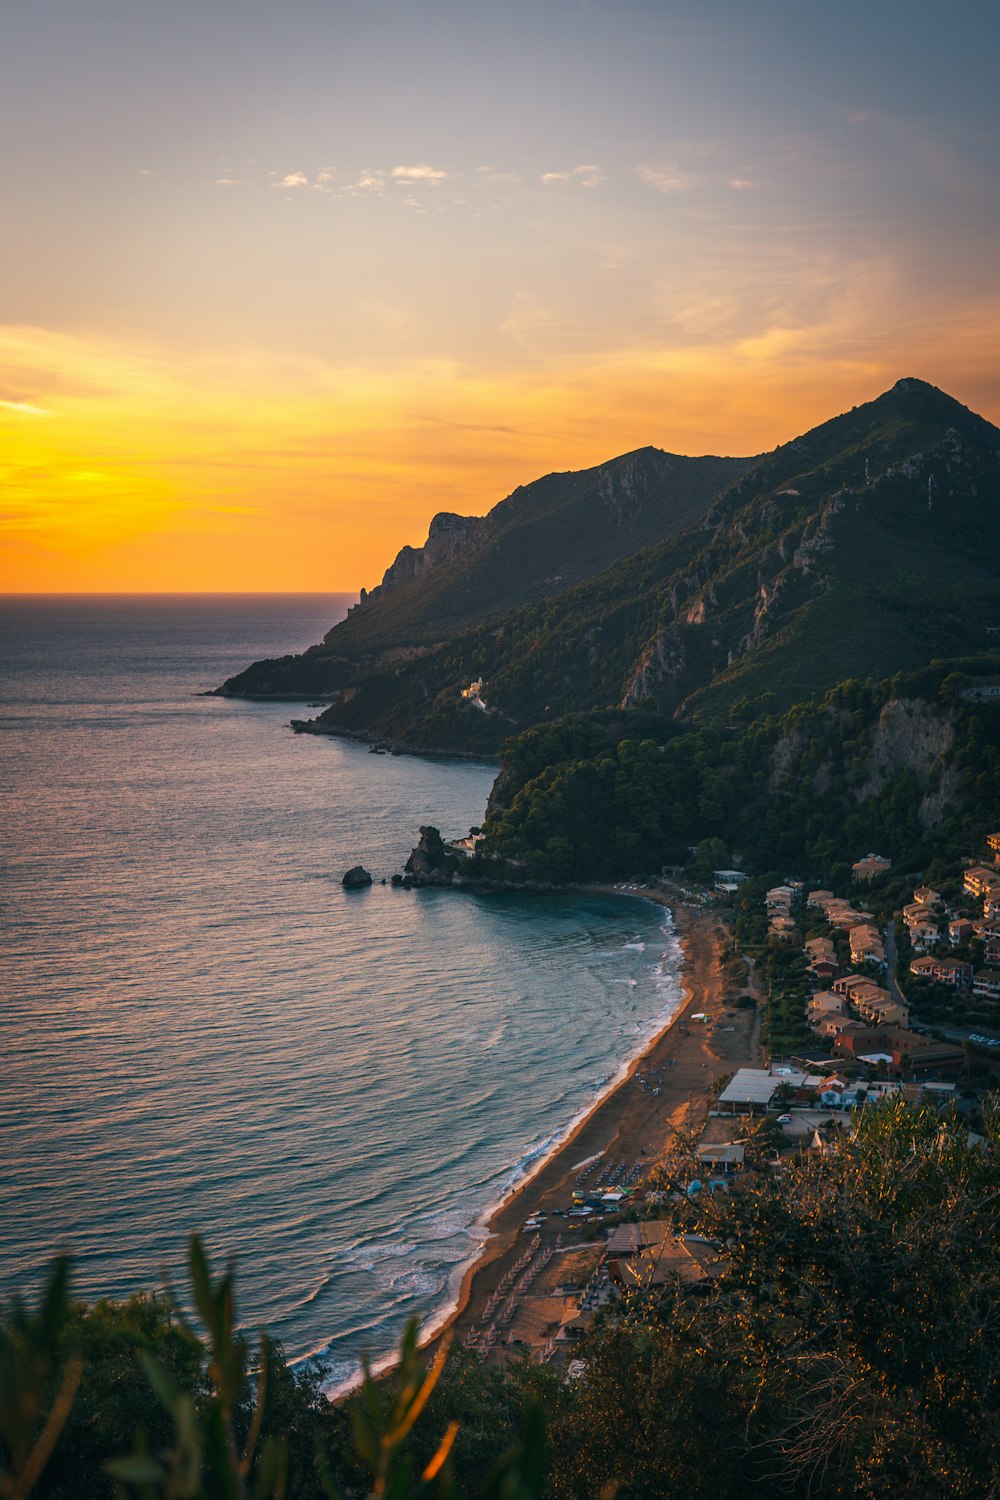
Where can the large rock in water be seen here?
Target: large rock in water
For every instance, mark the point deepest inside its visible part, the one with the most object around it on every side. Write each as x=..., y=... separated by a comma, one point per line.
x=356, y=878
x=429, y=864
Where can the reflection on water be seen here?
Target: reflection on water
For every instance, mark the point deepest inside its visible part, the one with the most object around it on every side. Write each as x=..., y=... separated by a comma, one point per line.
x=202, y=1030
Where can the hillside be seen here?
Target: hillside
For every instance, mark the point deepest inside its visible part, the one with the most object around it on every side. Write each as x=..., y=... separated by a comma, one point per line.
x=542, y=539
x=866, y=547
x=910, y=766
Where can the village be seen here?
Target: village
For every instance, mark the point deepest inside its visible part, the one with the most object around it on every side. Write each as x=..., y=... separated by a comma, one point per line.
x=614, y=1224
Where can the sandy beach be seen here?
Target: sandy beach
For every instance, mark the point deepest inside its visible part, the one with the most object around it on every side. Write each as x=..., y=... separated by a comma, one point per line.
x=632, y=1123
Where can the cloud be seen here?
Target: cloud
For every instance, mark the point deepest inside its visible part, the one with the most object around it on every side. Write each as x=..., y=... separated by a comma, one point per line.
x=492, y=178
x=367, y=181
x=145, y=172
x=25, y=409
x=743, y=184
x=664, y=179
x=586, y=176
x=292, y=180
x=420, y=173
x=227, y=182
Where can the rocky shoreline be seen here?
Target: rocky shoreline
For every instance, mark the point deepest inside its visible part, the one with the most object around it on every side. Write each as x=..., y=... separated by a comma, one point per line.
x=391, y=747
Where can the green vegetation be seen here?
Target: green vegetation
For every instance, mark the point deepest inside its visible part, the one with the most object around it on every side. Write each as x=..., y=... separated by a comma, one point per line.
x=810, y=790
x=713, y=594
x=849, y=1347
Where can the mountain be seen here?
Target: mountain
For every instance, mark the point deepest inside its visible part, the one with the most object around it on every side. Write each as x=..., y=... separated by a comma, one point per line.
x=700, y=589
x=543, y=538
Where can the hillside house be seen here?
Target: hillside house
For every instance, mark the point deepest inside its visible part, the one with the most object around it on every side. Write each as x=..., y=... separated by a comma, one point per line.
x=951, y=971
x=883, y=1011
x=825, y=1003
x=831, y=1026
x=924, y=935
x=819, y=899
x=955, y=972
x=870, y=868
x=980, y=881
x=925, y=895
x=866, y=945
x=821, y=957
x=986, y=982
x=960, y=930
x=854, y=986
x=993, y=841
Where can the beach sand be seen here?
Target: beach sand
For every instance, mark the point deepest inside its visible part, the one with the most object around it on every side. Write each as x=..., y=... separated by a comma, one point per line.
x=630, y=1123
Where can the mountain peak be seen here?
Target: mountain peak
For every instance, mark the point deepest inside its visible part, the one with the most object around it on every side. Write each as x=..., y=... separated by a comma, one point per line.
x=912, y=383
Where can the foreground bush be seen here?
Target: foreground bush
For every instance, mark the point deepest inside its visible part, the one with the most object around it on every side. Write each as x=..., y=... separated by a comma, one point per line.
x=851, y=1348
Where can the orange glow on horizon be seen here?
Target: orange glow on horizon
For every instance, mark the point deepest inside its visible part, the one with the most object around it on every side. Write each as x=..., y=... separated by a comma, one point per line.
x=144, y=471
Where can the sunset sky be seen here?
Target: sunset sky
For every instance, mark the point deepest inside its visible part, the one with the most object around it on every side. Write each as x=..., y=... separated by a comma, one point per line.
x=280, y=282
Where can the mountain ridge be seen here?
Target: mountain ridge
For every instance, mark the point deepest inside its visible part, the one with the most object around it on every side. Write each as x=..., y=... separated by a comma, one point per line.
x=865, y=546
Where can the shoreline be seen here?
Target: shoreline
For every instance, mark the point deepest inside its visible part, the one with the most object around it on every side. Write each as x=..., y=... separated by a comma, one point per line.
x=623, y=1121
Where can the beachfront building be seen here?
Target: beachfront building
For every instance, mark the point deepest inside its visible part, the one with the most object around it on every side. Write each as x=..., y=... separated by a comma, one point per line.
x=752, y=1090
x=749, y=1091
x=904, y=1052
x=724, y=1157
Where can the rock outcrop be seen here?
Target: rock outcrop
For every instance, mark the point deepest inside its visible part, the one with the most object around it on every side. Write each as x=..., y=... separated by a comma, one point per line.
x=430, y=863
x=356, y=878
x=448, y=535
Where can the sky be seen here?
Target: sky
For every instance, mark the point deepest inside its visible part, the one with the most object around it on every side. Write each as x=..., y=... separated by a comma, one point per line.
x=279, y=283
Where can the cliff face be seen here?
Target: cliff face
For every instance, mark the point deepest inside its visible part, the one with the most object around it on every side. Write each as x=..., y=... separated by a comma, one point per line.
x=449, y=536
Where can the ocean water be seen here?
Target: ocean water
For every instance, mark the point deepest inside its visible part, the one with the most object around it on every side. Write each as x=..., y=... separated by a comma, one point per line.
x=201, y=1030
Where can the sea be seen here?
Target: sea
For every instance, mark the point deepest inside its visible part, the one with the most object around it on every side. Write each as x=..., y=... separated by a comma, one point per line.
x=202, y=1031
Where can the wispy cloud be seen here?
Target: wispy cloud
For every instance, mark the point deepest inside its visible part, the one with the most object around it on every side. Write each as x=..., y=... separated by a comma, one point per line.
x=24, y=409
x=743, y=184
x=587, y=175
x=227, y=182
x=664, y=179
x=422, y=172
x=490, y=177
x=292, y=180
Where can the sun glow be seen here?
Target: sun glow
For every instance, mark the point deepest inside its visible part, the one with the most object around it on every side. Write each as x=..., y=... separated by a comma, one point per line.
x=147, y=471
